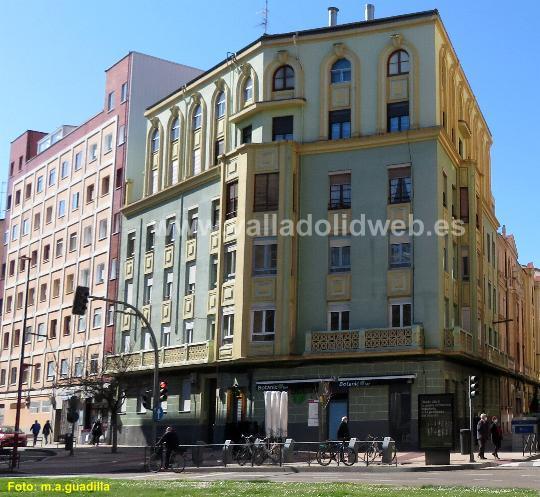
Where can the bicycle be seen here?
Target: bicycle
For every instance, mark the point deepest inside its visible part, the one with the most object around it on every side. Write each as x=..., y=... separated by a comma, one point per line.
x=264, y=450
x=177, y=461
x=336, y=451
x=245, y=453
x=375, y=450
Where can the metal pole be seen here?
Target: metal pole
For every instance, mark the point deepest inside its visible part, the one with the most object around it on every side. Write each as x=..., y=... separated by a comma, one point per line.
x=153, y=340
x=471, y=449
x=21, y=365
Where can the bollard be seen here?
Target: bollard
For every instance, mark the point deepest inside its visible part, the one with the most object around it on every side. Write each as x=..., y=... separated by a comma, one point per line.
x=388, y=450
x=226, y=452
x=288, y=448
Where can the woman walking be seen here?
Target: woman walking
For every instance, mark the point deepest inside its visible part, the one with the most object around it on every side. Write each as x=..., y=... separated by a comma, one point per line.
x=496, y=436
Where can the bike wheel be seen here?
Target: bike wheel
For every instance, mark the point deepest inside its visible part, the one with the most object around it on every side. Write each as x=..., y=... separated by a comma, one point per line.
x=259, y=456
x=154, y=462
x=348, y=456
x=324, y=457
x=275, y=454
x=243, y=456
x=369, y=455
x=177, y=462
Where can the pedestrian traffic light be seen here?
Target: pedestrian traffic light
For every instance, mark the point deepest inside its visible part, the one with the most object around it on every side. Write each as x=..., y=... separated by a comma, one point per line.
x=163, y=390
x=474, y=386
x=80, y=301
x=146, y=400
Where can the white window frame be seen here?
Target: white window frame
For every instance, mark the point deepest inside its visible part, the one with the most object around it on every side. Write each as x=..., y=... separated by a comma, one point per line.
x=267, y=243
x=401, y=303
x=340, y=308
x=263, y=336
x=227, y=335
x=97, y=318
x=339, y=243
x=102, y=229
x=188, y=331
x=231, y=247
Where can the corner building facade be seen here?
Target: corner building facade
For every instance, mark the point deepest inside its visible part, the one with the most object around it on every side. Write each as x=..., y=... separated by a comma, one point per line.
x=372, y=119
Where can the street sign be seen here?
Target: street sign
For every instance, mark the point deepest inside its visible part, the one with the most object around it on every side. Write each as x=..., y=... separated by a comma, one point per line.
x=158, y=414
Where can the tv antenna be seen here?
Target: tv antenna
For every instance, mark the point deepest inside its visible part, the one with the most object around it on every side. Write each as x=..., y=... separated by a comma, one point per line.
x=265, y=14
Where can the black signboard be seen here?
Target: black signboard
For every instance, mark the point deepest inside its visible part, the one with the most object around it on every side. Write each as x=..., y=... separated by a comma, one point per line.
x=436, y=421
x=272, y=387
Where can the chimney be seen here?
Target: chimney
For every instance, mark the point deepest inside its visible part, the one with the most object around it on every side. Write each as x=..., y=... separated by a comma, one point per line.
x=332, y=16
x=369, y=12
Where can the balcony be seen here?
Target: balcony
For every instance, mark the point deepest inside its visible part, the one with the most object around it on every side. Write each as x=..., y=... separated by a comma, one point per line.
x=179, y=355
x=458, y=340
x=368, y=340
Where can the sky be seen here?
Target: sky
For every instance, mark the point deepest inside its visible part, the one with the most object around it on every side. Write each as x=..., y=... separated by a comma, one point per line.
x=53, y=54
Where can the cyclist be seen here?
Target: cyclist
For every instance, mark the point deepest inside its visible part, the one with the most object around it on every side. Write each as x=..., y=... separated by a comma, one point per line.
x=171, y=441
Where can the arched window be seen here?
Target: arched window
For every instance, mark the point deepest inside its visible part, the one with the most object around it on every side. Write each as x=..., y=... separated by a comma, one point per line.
x=175, y=130
x=341, y=71
x=197, y=118
x=284, y=78
x=155, y=140
x=220, y=105
x=398, y=63
x=248, y=90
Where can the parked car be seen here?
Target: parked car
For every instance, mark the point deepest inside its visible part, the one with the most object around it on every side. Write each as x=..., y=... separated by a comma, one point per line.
x=7, y=437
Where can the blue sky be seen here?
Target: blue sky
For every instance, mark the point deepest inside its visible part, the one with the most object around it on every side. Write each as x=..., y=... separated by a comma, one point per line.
x=53, y=55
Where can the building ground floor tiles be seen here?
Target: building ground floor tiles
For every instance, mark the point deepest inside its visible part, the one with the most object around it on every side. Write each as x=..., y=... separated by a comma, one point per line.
x=380, y=397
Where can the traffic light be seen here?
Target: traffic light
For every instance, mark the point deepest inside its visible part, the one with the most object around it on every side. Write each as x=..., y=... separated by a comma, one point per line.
x=474, y=386
x=163, y=390
x=147, y=400
x=80, y=301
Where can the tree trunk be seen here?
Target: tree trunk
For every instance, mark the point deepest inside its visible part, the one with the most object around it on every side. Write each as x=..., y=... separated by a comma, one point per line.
x=114, y=432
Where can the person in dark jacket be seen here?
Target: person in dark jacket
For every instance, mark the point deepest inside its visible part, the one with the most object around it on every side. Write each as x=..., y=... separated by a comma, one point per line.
x=97, y=431
x=343, y=430
x=495, y=431
x=47, y=431
x=482, y=433
x=171, y=442
x=35, y=429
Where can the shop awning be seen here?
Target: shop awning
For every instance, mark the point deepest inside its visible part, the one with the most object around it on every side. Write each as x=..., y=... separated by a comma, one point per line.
x=359, y=381
x=283, y=384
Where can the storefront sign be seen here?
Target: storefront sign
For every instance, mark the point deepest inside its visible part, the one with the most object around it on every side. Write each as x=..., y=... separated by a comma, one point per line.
x=272, y=387
x=436, y=421
x=313, y=413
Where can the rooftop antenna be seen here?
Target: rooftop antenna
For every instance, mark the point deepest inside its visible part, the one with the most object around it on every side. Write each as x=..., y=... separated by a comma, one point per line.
x=265, y=14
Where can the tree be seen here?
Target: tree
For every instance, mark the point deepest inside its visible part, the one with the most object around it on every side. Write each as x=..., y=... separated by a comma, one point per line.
x=108, y=385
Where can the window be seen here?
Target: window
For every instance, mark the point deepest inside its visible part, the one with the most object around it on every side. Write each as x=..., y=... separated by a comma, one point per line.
x=197, y=118
x=165, y=336
x=340, y=191
x=17, y=197
x=52, y=177
x=16, y=338
x=108, y=142
x=61, y=208
x=37, y=373
x=116, y=222
x=121, y=137
x=94, y=363
x=48, y=214
x=78, y=161
x=39, y=184
x=25, y=372
x=102, y=229
x=188, y=331
x=264, y=256
x=193, y=221
x=464, y=204
x=228, y=326
x=400, y=313
x=282, y=128
x=213, y=271
x=67, y=325
x=25, y=227
x=37, y=221
x=96, y=318
x=147, y=293
x=75, y=201
x=400, y=187
x=248, y=90
x=93, y=152
x=5, y=344
x=191, y=278
x=220, y=105
x=81, y=324
x=85, y=277
x=170, y=230
x=266, y=192
x=105, y=185
x=78, y=367
x=9, y=303
x=284, y=78
x=19, y=300
x=87, y=236
x=339, y=123
x=70, y=279
x=168, y=279
x=126, y=342
x=64, y=368
x=14, y=232
x=13, y=376
x=400, y=255
x=110, y=101
x=340, y=255
x=262, y=325
x=90, y=193
x=341, y=71
x=3, y=377
x=397, y=114
x=219, y=149
x=445, y=190
x=31, y=296
x=130, y=249
x=247, y=133
x=147, y=339
x=398, y=63
x=12, y=267
x=154, y=141
x=124, y=92
x=59, y=250
x=72, y=242
x=43, y=292
x=338, y=317
x=185, y=397
x=50, y=371
x=53, y=328
x=232, y=199
x=100, y=273
x=150, y=237
x=215, y=214
x=230, y=262
x=114, y=269
x=28, y=191
x=64, y=170
x=175, y=130
x=196, y=161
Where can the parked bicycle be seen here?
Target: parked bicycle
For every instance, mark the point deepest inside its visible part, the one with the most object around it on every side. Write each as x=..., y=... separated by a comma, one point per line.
x=374, y=450
x=177, y=461
x=244, y=453
x=266, y=449
x=336, y=451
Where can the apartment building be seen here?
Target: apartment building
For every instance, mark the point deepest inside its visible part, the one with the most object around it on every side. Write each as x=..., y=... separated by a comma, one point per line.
x=371, y=120
x=62, y=229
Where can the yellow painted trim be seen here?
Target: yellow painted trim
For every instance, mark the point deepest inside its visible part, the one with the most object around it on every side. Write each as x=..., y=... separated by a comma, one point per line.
x=264, y=106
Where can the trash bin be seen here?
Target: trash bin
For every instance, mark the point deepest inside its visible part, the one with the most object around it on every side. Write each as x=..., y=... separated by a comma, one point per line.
x=465, y=441
x=388, y=450
x=69, y=441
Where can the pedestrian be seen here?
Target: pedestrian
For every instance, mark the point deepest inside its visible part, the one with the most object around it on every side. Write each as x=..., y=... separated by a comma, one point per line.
x=97, y=431
x=482, y=433
x=35, y=429
x=496, y=436
x=171, y=441
x=343, y=430
x=476, y=420
x=47, y=431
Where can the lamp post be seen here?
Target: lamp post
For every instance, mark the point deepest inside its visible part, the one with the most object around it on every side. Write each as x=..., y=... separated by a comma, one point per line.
x=21, y=364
